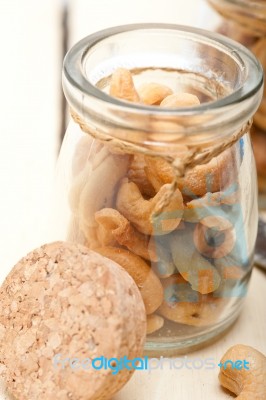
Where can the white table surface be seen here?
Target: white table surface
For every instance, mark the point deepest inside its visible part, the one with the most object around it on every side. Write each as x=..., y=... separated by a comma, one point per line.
x=29, y=106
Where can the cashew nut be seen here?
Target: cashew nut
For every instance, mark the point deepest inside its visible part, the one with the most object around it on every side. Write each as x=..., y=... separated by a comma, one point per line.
x=143, y=213
x=194, y=268
x=202, y=207
x=137, y=175
x=114, y=227
x=158, y=172
x=165, y=266
x=154, y=323
x=183, y=305
x=97, y=155
x=210, y=177
x=247, y=381
x=153, y=93
x=94, y=188
x=214, y=236
x=122, y=86
x=233, y=283
x=180, y=100
x=148, y=283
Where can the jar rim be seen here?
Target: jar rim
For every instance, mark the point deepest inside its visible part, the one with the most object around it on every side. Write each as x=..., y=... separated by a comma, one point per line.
x=73, y=73
x=202, y=121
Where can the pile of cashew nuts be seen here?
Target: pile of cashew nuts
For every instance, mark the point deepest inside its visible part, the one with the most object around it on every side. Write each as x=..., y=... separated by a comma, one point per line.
x=182, y=257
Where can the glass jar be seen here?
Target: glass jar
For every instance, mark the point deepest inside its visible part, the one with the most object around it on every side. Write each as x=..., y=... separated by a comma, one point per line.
x=245, y=21
x=170, y=194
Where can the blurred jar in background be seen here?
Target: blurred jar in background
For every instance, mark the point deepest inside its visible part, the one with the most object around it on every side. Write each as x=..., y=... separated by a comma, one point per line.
x=245, y=21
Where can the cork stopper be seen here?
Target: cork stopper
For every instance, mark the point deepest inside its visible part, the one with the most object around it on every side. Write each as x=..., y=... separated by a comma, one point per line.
x=64, y=301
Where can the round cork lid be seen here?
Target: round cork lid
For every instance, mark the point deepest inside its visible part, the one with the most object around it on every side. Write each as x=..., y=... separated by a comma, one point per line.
x=63, y=301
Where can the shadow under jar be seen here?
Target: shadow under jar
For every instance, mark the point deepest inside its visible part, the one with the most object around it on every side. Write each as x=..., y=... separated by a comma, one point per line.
x=245, y=21
x=169, y=193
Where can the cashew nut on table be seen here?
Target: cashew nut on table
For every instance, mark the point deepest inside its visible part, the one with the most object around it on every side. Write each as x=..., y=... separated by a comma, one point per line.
x=247, y=381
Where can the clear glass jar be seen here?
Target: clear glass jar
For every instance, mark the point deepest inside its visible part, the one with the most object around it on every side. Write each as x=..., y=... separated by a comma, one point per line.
x=131, y=185
x=245, y=21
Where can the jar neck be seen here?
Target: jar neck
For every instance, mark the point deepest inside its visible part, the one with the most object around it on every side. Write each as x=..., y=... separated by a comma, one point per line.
x=210, y=62
x=162, y=132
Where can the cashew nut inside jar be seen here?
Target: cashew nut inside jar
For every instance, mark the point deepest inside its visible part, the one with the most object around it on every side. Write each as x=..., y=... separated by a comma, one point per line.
x=156, y=171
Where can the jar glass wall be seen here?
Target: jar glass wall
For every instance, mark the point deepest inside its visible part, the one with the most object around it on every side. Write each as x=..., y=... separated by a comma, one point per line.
x=167, y=193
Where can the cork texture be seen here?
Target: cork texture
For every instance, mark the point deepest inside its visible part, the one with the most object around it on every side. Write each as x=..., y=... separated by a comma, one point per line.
x=65, y=299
